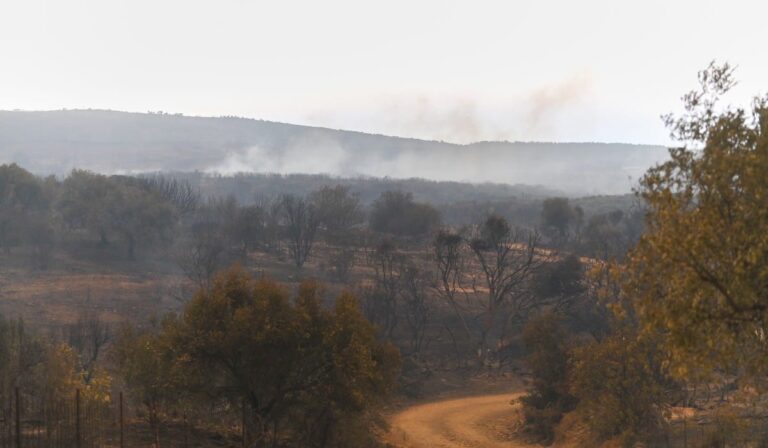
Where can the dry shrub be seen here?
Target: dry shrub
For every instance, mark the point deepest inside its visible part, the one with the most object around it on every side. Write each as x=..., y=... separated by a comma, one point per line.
x=549, y=399
x=621, y=389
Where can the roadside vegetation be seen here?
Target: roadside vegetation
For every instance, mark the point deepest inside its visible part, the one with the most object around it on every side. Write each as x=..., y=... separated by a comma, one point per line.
x=685, y=305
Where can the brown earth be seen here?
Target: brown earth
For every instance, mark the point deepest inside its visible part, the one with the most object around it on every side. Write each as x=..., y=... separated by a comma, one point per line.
x=476, y=421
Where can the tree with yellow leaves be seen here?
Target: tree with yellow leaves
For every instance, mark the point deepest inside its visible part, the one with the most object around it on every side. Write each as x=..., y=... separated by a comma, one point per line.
x=699, y=275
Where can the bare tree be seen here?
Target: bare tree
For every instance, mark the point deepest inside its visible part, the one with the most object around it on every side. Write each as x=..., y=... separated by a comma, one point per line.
x=301, y=220
x=449, y=261
x=338, y=211
x=202, y=257
x=381, y=300
x=205, y=250
x=416, y=307
x=507, y=259
x=89, y=335
x=179, y=193
x=341, y=261
x=271, y=207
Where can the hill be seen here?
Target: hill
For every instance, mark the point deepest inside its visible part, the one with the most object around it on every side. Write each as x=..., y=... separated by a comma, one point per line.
x=54, y=142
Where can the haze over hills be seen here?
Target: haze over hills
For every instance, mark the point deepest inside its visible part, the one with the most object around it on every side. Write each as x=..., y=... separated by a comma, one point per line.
x=54, y=142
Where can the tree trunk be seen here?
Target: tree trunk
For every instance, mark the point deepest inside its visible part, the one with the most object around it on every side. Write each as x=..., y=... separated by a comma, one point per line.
x=131, y=247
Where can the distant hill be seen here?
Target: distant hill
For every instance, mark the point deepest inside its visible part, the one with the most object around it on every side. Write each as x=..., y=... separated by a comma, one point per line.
x=54, y=142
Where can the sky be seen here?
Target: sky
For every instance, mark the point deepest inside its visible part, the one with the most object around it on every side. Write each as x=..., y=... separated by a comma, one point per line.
x=460, y=71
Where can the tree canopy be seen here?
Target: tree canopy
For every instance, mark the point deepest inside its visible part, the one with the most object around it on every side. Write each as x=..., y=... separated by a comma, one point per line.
x=396, y=213
x=303, y=371
x=700, y=272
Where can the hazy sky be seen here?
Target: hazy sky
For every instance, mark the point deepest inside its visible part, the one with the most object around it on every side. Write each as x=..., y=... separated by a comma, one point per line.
x=563, y=70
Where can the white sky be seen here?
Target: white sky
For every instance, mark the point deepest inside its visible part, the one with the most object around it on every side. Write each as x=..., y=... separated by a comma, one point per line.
x=586, y=70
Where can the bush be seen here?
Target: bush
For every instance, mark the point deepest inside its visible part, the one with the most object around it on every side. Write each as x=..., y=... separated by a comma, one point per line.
x=620, y=387
x=544, y=406
x=396, y=213
x=340, y=263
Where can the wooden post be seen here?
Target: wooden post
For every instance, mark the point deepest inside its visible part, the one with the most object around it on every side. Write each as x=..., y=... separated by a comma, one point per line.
x=77, y=419
x=18, y=419
x=121, y=421
x=244, y=434
x=186, y=431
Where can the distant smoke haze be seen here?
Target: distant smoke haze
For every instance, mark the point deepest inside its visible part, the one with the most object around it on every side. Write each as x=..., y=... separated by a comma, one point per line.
x=551, y=112
x=118, y=142
x=548, y=102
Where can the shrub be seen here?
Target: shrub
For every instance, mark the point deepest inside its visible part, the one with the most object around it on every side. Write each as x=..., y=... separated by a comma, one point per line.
x=620, y=387
x=543, y=407
x=396, y=213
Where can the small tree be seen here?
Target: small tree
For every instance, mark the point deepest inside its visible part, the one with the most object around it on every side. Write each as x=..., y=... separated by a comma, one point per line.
x=301, y=221
x=507, y=259
x=204, y=250
x=621, y=387
x=381, y=301
x=138, y=214
x=557, y=214
x=179, y=193
x=449, y=260
x=416, y=306
x=148, y=366
x=561, y=283
x=338, y=211
x=607, y=236
x=248, y=228
x=547, y=357
x=397, y=214
x=88, y=336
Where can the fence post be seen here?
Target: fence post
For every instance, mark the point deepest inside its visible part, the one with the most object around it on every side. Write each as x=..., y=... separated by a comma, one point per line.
x=243, y=424
x=121, y=419
x=186, y=431
x=18, y=419
x=77, y=419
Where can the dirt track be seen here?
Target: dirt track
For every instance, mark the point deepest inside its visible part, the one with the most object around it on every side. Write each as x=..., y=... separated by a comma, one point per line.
x=479, y=421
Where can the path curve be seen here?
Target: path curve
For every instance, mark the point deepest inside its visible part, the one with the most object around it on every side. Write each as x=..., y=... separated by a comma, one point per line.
x=471, y=422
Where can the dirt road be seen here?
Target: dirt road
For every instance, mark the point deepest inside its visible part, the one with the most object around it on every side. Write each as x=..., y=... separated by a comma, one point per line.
x=479, y=421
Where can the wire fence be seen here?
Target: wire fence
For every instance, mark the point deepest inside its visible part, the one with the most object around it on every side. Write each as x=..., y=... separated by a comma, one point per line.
x=37, y=422
x=35, y=419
